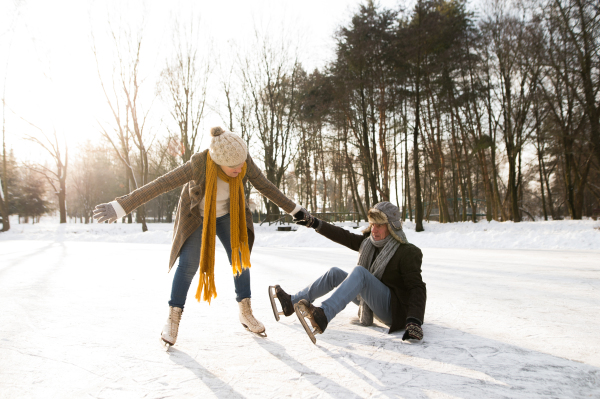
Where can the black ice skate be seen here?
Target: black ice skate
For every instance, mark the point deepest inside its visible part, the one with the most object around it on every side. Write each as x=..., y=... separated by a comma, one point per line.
x=287, y=308
x=315, y=315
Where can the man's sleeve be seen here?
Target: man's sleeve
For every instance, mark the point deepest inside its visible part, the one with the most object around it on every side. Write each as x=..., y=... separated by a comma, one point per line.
x=410, y=269
x=341, y=236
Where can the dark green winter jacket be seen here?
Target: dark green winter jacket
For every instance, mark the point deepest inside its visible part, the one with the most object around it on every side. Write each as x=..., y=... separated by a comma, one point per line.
x=402, y=275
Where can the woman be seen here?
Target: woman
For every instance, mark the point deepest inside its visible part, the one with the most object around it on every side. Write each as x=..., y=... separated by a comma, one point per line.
x=386, y=283
x=212, y=203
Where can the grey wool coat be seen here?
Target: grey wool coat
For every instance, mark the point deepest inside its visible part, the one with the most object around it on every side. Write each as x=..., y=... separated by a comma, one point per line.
x=192, y=176
x=402, y=275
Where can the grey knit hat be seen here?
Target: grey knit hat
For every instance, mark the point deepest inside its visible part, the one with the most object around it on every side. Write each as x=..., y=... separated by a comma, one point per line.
x=226, y=148
x=386, y=212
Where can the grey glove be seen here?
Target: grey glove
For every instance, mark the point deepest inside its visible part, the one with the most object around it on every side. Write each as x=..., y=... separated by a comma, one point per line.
x=105, y=212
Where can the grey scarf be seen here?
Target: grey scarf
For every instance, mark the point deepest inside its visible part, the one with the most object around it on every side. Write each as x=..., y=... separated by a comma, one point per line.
x=388, y=247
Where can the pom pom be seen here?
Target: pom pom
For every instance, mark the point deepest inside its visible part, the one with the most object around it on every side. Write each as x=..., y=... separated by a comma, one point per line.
x=216, y=131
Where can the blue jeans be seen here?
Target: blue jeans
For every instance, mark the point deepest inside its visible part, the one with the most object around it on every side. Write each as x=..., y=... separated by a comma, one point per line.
x=376, y=294
x=189, y=261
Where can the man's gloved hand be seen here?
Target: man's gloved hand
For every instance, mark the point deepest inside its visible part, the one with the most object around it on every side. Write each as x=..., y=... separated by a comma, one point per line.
x=413, y=330
x=304, y=218
x=300, y=215
x=105, y=212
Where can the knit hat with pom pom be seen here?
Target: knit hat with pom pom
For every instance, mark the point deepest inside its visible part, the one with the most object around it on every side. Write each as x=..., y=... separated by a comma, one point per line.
x=226, y=148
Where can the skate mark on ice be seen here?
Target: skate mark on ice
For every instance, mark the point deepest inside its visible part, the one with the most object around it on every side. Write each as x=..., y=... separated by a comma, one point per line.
x=220, y=388
x=461, y=363
x=19, y=261
x=314, y=377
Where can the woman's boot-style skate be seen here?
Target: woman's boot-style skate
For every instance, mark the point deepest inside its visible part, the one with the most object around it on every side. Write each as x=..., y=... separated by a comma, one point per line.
x=168, y=335
x=247, y=318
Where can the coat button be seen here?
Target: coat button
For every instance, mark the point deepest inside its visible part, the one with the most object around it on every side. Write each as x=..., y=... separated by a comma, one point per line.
x=197, y=193
x=189, y=215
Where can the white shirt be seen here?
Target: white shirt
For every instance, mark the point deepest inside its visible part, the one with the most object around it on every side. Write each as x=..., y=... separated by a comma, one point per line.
x=222, y=198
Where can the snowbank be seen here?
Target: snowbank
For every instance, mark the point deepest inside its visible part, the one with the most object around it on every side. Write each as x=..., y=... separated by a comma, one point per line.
x=560, y=235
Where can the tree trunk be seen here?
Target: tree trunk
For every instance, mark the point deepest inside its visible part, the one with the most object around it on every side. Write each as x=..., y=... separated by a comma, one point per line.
x=385, y=156
x=457, y=151
x=418, y=203
x=353, y=186
x=579, y=186
x=540, y=161
x=548, y=192
x=407, y=175
x=568, y=175
x=4, y=211
x=453, y=163
x=396, y=170
x=470, y=185
x=511, y=151
x=62, y=201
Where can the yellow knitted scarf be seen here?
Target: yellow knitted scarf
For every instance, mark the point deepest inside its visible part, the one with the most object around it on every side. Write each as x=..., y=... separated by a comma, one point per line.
x=239, y=234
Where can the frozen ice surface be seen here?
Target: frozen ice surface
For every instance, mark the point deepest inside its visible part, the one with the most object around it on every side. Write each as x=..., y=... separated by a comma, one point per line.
x=512, y=315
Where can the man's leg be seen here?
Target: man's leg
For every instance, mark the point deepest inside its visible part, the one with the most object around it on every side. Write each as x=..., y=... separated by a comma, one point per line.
x=376, y=294
x=189, y=260
x=323, y=285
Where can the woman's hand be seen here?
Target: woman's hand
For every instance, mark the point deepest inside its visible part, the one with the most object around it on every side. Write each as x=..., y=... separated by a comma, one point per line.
x=105, y=212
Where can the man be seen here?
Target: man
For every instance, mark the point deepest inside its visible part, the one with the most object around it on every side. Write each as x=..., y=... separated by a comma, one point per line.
x=386, y=282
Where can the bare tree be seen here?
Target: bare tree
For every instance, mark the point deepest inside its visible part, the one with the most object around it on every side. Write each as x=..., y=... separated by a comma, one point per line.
x=123, y=99
x=184, y=84
x=92, y=177
x=3, y=180
x=571, y=89
x=517, y=73
x=578, y=24
x=4, y=198
x=56, y=178
x=271, y=76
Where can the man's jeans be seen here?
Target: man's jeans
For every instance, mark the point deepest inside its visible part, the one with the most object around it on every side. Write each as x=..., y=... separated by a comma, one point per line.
x=189, y=260
x=376, y=294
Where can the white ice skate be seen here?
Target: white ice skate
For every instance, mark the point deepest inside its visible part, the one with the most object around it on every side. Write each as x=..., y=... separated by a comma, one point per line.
x=168, y=336
x=247, y=318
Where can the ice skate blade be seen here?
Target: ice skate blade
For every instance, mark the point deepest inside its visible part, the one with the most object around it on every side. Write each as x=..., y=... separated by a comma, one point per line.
x=165, y=345
x=272, y=297
x=261, y=334
x=301, y=313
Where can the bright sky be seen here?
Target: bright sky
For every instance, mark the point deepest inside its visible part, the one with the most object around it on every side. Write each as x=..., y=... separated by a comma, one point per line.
x=48, y=74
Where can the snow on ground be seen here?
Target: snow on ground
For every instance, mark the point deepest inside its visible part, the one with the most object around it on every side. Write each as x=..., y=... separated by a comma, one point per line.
x=560, y=234
x=512, y=311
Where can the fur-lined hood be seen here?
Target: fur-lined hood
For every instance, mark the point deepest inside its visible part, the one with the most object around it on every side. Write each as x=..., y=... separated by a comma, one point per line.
x=388, y=213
